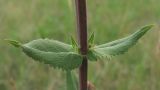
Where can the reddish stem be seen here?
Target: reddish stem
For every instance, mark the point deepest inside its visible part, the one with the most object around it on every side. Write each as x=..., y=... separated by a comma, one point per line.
x=82, y=38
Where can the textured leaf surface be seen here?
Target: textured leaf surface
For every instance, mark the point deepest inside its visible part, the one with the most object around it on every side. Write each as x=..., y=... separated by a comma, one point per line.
x=54, y=53
x=47, y=45
x=92, y=55
x=120, y=46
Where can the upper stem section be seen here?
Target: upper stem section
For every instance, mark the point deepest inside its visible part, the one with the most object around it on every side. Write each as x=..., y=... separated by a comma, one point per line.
x=82, y=25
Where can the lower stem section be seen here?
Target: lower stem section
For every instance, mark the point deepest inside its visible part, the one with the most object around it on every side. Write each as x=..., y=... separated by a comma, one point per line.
x=83, y=74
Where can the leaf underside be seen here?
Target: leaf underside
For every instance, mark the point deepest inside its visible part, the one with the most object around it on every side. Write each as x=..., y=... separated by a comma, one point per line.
x=119, y=46
x=54, y=53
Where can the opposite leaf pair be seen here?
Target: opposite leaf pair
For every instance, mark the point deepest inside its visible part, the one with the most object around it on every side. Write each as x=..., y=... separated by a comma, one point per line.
x=64, y=56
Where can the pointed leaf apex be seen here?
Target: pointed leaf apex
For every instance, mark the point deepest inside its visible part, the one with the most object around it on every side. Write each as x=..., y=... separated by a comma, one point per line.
x=91, y=39
x=121, y=46
x=74, y=43
x=148, y=27
x=14, y=42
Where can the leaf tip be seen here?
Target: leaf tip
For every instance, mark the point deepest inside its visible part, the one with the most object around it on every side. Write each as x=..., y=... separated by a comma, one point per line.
x=148, y=27
x=14, y=42
x=74, y=43
x=91, y=39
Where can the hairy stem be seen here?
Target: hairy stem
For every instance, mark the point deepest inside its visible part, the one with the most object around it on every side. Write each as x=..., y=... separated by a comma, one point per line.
x=82, y=38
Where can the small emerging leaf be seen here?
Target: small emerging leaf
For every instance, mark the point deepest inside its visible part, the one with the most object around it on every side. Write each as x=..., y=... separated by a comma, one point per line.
x=74, y=44
x=120, y=46
x=91, y=39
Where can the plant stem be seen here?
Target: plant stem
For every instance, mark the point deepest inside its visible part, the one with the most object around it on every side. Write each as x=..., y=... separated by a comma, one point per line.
x=82, y=38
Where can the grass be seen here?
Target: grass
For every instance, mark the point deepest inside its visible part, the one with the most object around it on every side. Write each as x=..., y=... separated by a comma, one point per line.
x=109, y=19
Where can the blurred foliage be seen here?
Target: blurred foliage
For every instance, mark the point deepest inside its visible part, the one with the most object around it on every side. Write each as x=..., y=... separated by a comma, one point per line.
x=25, y=20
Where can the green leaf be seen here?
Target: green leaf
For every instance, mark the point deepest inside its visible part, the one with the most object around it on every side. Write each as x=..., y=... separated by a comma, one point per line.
x=122, y=45
x=91, y=39
x=14, y=42
x=92, y=55
x=74, y=44
x=70, y=81
x=47, y=45
x=54, y=53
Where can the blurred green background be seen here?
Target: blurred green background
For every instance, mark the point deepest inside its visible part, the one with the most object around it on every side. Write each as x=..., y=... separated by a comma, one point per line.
x=25, y=20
